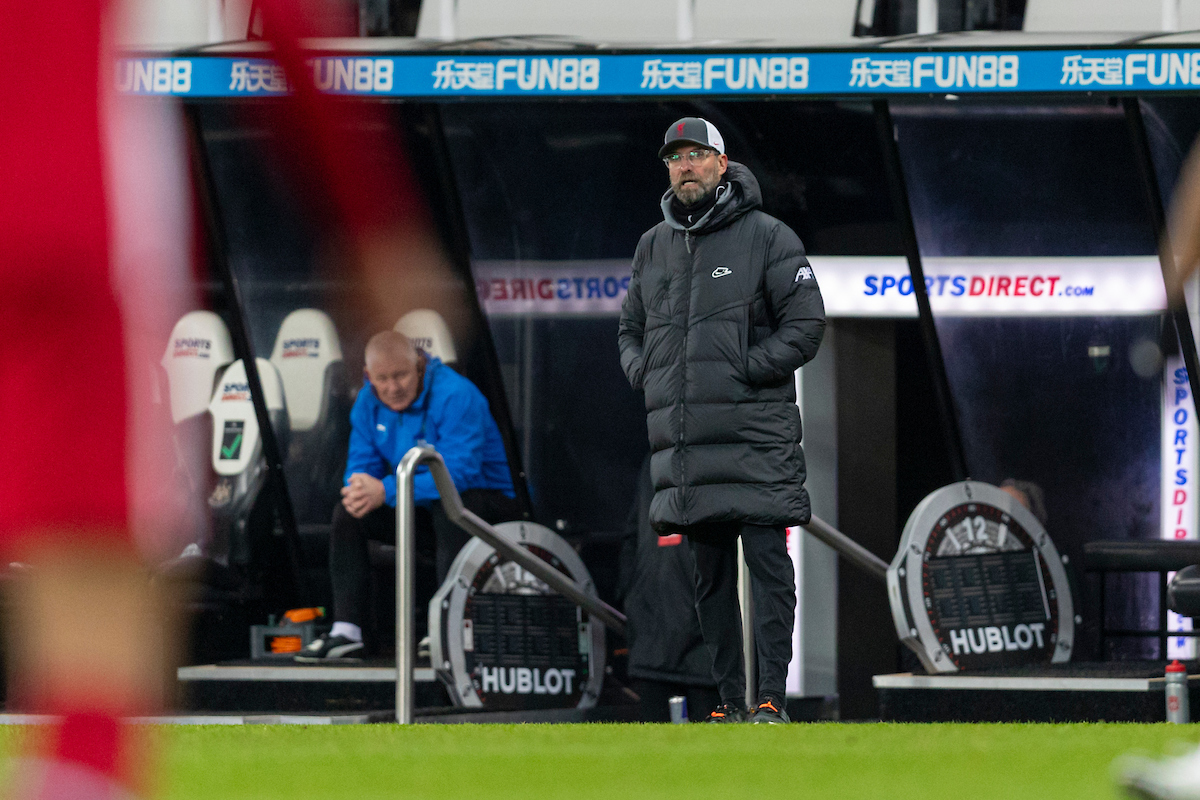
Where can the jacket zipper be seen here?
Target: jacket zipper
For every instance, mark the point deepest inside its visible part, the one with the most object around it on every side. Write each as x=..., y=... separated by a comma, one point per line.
x=687, y=318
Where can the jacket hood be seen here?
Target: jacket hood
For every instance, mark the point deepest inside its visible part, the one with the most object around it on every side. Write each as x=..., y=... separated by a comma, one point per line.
x=738, y=194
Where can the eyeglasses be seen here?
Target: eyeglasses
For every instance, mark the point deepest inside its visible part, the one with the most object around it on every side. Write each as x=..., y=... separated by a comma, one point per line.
x=691, y=157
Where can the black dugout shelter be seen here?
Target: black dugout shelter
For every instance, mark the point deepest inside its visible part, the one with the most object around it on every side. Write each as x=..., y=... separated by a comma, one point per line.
x=921, y=160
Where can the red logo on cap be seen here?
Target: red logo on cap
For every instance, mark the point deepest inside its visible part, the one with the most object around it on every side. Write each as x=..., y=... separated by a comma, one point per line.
x=679, y=129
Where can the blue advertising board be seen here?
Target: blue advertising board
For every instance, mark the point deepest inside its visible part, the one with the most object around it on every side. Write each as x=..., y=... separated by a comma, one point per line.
x=837, y=74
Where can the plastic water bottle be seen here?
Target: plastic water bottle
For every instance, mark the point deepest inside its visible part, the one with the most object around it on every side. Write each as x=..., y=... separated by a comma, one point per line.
x=1177, y=694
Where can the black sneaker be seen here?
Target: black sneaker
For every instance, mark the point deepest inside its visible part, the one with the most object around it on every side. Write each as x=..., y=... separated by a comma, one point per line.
x=727, y=712
x=326, y=648
x=769, y=712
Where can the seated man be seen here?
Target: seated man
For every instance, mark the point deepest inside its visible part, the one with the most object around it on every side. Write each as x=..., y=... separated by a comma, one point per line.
x=409, y=398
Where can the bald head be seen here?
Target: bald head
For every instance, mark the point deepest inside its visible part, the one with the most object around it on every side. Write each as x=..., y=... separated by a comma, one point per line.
x=395, y=369
x=391, y=344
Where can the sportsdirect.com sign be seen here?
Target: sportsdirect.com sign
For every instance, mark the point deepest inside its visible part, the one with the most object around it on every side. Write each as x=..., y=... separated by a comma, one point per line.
x=861, y=286
x=551, y=288
x=811, y=73
x=869, y=287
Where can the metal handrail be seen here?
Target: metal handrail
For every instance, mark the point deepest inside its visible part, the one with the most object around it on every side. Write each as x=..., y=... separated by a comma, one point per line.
x=457, y=513
x=846, y=547
x=842, y=544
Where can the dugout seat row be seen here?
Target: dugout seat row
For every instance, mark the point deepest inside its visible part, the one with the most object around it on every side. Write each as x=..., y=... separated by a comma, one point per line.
x=308, y=397
x=305, y=391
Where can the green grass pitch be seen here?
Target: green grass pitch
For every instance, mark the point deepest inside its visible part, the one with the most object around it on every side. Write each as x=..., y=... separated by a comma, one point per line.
x=633, y=762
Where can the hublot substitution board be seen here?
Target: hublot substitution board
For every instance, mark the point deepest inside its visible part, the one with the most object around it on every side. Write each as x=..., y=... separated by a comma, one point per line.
x=977, y=583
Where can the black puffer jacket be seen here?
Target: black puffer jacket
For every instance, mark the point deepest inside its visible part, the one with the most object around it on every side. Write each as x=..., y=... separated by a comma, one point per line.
x=718, y=318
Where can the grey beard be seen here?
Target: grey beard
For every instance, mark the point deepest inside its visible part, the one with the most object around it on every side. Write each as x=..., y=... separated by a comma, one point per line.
x=698, y=196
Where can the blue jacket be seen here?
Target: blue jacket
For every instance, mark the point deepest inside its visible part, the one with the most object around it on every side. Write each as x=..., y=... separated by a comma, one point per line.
x=456, y=420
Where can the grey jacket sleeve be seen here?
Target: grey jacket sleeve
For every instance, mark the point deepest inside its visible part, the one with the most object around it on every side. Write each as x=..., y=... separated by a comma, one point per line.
x=633, y=321
x=794, y=300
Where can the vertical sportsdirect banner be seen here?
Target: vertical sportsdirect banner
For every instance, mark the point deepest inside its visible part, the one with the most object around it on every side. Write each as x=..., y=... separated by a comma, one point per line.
x=813, y=73
x=1179, y=480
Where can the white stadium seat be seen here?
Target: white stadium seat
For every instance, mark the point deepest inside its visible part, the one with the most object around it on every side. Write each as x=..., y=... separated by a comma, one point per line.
x=233, y=413
x=306, y=351
x=308, y=356
x=237, y=457
x=429, y=332
x=197, y=354
x=198, y=350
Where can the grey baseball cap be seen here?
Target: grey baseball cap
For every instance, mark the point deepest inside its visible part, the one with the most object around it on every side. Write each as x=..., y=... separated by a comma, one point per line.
x=694, y=130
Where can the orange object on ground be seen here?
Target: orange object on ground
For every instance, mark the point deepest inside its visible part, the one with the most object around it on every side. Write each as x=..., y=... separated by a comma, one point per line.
x=286, y=644
x=299, y=615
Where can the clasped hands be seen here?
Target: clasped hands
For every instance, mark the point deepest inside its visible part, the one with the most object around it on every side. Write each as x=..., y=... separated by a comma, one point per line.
x=362, y=495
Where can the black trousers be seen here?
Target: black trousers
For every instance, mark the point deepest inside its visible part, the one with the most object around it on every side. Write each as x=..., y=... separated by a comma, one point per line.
x=773, y=588
x=349, y=563
x=654, y=699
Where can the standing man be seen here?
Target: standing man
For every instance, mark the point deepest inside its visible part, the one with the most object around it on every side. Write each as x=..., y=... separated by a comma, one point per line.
x=408, y=399
x=722, y=309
